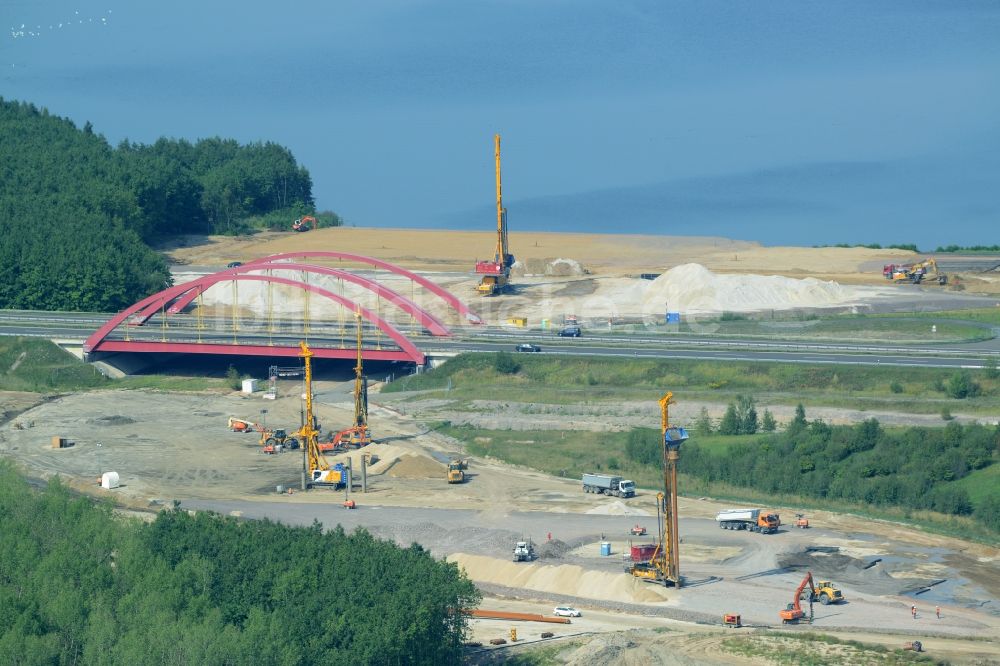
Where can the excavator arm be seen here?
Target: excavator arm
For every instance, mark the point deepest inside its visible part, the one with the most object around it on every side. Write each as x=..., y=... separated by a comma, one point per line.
x=794, y=610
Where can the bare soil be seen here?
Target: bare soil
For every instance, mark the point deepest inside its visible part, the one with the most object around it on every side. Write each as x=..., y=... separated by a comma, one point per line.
x=176, y=447
x=601, y=254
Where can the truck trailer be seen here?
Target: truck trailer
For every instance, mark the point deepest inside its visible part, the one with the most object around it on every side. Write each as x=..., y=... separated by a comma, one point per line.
x=604, y=484
x=755, y=520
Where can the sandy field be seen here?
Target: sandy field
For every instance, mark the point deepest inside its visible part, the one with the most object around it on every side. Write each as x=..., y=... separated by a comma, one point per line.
x=591, y=275
x=435, y=250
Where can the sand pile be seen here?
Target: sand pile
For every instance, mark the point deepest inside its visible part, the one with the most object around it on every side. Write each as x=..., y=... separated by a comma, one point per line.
x=556, y=267
x=417, y=467
x=564, y=579
x=694, y=288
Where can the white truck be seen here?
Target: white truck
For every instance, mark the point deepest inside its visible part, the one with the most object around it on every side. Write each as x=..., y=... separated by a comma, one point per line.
x=755, y=520
x=604, y=484
x=524, y=551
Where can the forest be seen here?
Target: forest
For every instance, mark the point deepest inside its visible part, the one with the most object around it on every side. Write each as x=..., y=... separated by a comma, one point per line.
x=939, y=469
x=80, y=584
x=77, y=215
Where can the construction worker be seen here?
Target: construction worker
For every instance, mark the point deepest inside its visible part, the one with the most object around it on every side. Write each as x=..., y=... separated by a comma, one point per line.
x=913, y=612
x=937, y=611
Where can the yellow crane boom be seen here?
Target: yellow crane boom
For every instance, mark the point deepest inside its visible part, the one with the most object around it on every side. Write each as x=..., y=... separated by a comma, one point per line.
x=496, y=273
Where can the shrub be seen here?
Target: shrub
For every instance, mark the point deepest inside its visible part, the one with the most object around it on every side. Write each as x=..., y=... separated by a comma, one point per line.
x=233, y=378
x=961, y=386
x=768, y=424
x=505, y=364
x=730, y=423
x=946, y=414
x=703, y=424
x=895, y=386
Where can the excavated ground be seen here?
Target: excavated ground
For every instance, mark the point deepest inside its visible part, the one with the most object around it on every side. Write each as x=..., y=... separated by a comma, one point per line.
x=176, y=447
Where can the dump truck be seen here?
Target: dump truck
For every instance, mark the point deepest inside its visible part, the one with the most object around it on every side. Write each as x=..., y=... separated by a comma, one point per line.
x=524, y=551
x=456, y=471
x=603, y=484
x=755, y=520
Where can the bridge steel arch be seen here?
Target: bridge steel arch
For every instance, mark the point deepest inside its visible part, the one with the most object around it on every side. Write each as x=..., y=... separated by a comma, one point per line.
x=98, y=340
x=442, y=293
x=433, y=325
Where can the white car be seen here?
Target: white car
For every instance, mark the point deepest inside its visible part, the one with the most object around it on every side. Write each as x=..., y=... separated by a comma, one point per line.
x=565, y=611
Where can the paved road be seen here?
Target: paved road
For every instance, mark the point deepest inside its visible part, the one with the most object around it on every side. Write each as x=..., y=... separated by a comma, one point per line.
x=77, y=326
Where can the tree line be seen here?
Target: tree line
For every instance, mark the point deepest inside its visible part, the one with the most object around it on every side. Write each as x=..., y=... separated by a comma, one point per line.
x=910, y=468
x=80, y=585
x=76, y=214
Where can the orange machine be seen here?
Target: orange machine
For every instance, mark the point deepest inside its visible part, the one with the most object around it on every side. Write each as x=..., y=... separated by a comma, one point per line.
x=304, y=223
x=793, y=612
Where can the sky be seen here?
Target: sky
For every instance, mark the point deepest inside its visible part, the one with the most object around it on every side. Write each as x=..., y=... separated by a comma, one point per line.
x=788, y=122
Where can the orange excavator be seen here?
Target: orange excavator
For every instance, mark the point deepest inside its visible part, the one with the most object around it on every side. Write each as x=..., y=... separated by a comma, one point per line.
x=793, y=612
x=304, y=223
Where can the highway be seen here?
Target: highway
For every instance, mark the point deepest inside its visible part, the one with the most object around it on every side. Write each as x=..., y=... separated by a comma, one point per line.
x=75, y=327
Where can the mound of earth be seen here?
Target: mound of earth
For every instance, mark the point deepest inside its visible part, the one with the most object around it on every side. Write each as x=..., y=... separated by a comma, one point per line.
x=416, y=467
x=694, y=288
x=554, y=267
x=565, y=579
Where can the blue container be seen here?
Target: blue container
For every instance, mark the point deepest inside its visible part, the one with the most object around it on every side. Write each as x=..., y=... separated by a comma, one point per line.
x=605, y=548
x=673, y=317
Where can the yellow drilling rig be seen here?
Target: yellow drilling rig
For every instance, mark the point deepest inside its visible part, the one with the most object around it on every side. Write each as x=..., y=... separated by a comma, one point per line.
x=358, y=434
x=318, y=471
x=664, y=565
x=496, y=273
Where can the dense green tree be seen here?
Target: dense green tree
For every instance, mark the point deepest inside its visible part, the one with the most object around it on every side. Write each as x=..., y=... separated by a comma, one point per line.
x=75, y=213
x=703, y=424
x=746, y=414
x=80, y=585
x=644, y=446
x=917, y=468
x=767, y=423
x=730, y=423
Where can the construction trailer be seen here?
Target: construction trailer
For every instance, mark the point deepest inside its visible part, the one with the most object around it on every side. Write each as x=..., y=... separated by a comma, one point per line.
x=664, y=564
x=496, y=273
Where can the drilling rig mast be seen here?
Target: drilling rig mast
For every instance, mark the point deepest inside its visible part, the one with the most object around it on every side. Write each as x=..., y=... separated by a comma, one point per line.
x=496, y=273
x=664, y=565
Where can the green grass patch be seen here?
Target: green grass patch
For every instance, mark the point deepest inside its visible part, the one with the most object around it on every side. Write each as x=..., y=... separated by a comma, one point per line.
x=568, y=379
x=544, y=655
x=35, y=365
x=981, y=483
x=40, y=366
x=989, y=316
x=812, y=649
x=839, y=328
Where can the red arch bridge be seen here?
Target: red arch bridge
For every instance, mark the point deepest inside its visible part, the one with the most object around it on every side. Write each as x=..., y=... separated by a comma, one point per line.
x=265, y=307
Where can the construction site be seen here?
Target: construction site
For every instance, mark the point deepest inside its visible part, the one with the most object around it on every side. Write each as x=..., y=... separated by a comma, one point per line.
x=586, y=552
x=622, y=574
